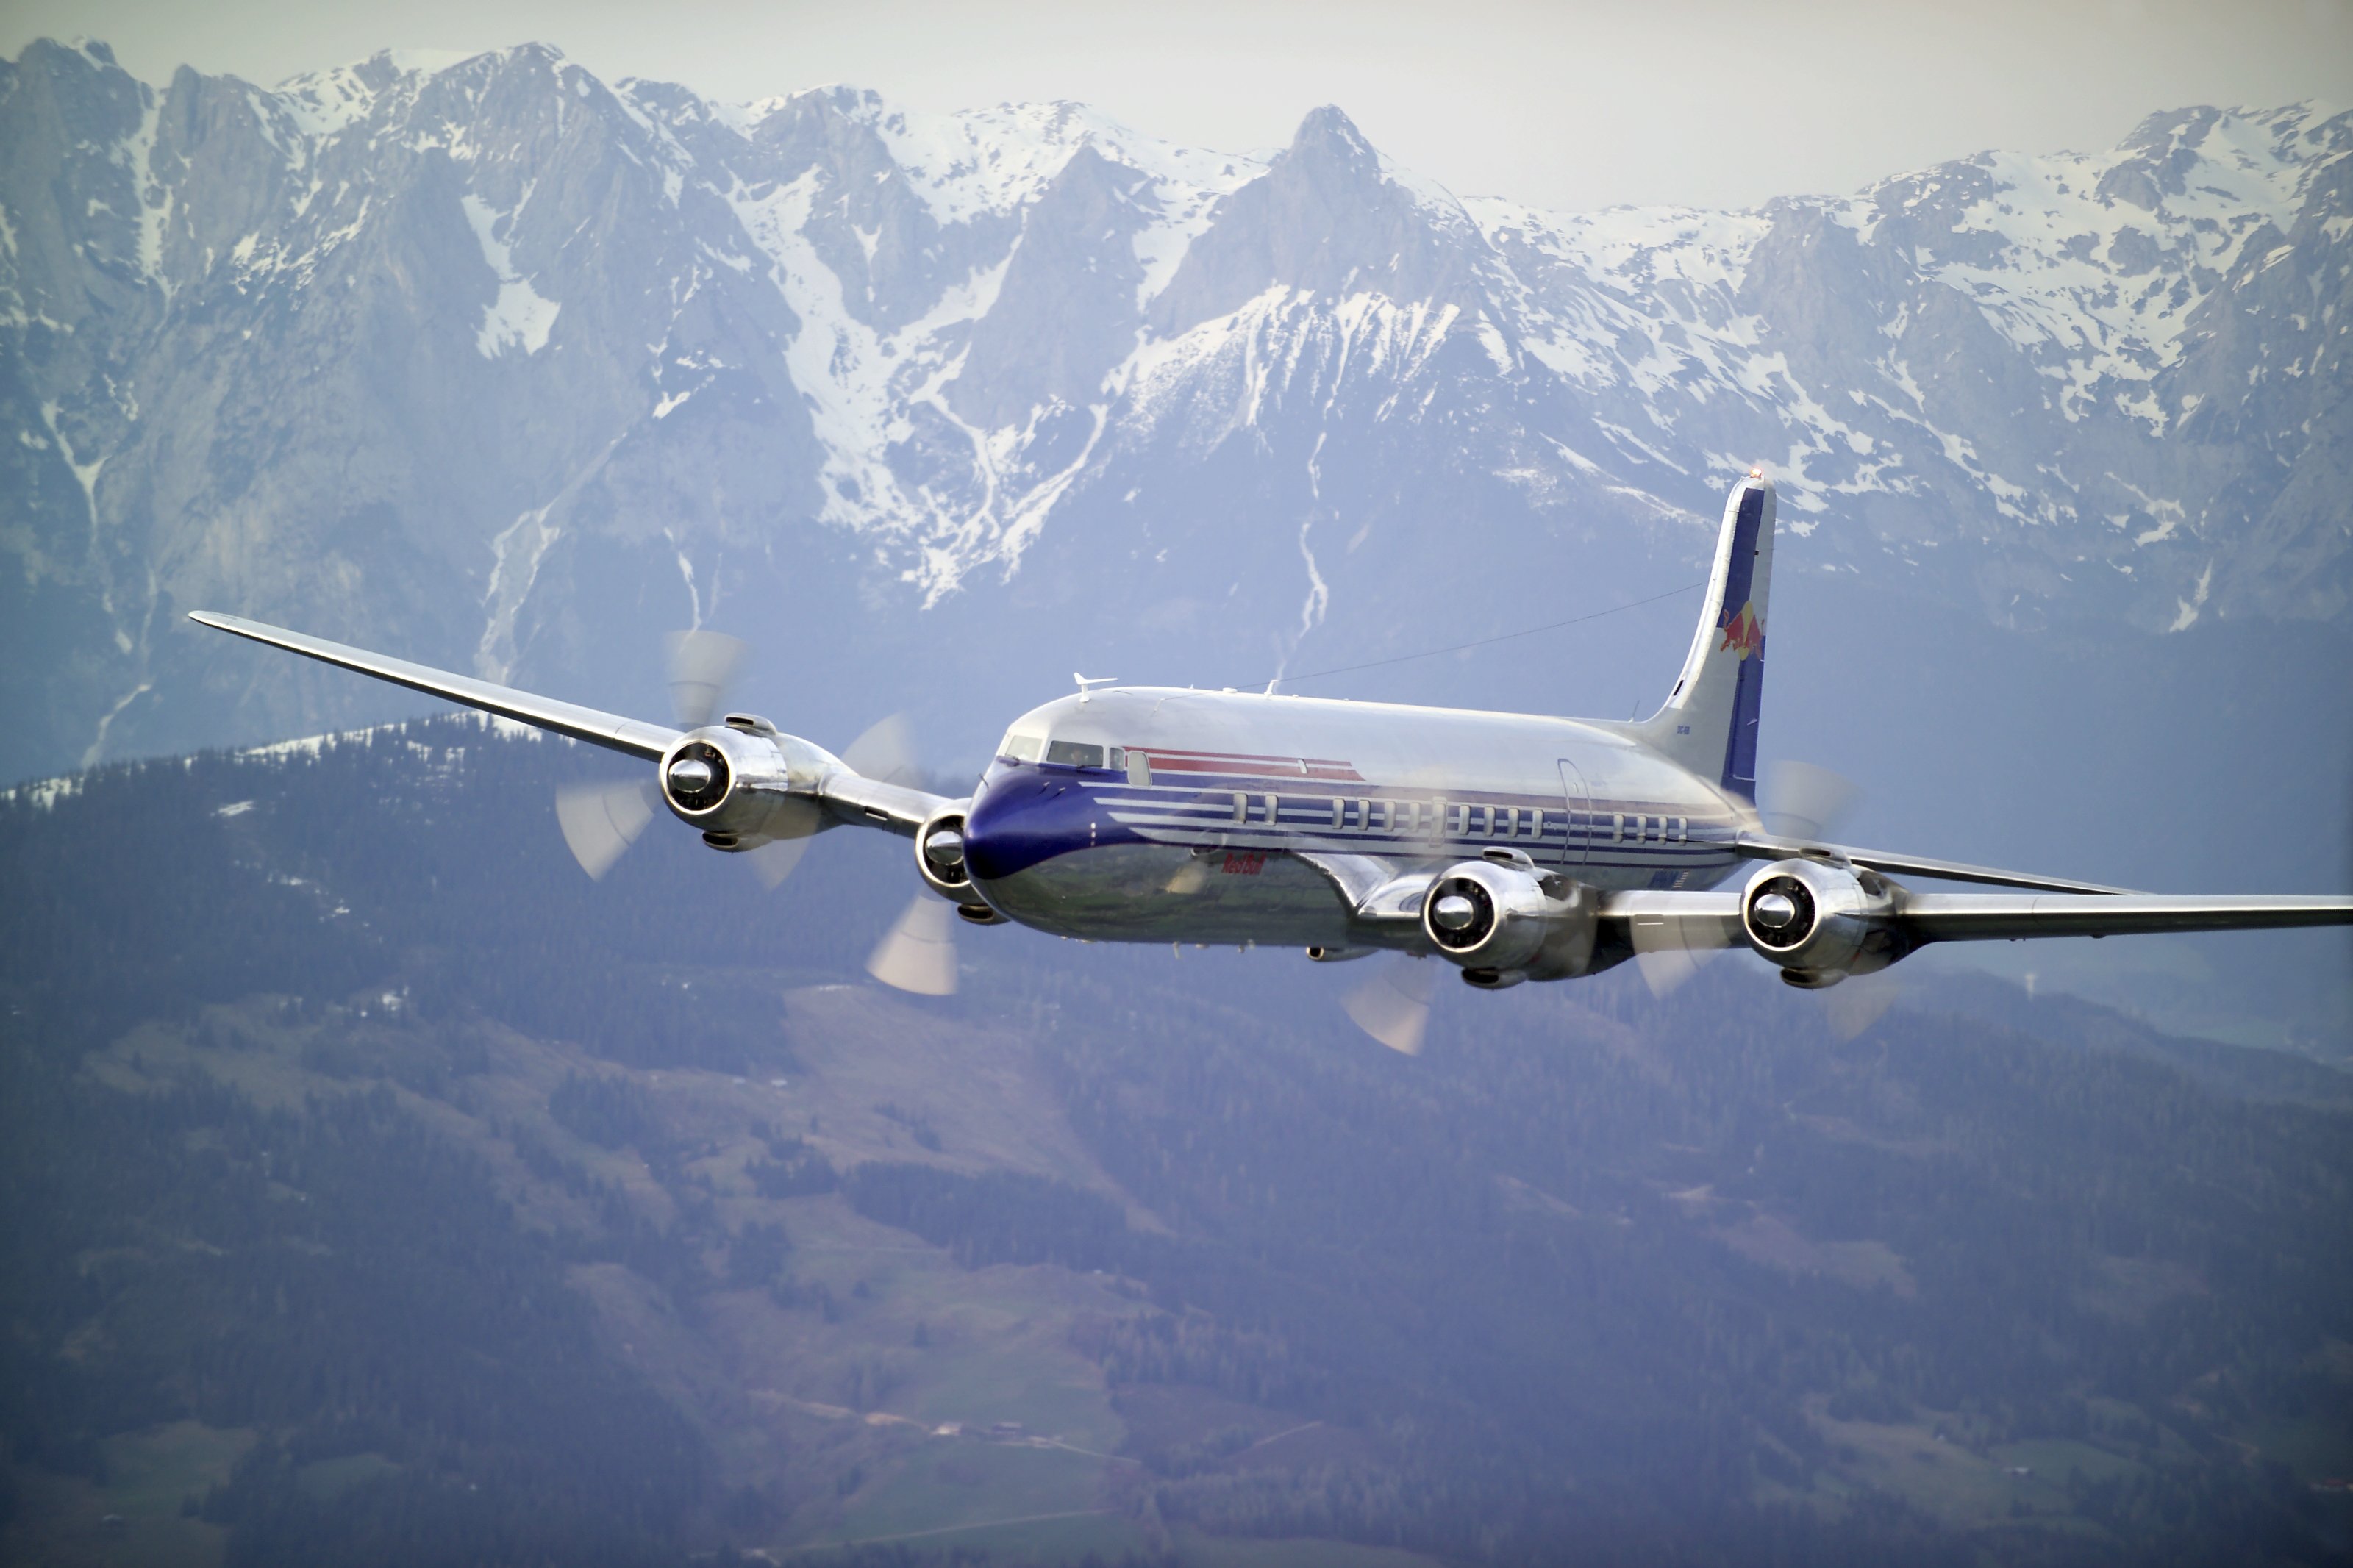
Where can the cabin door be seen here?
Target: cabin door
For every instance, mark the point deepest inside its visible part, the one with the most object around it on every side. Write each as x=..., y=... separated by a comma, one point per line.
x=1580, y=815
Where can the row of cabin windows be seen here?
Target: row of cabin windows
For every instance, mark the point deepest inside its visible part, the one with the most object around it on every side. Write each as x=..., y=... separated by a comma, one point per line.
x=1459, y=820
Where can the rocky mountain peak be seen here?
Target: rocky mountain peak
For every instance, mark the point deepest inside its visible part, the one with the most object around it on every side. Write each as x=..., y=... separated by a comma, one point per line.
x=486, y=353
x=1328, y=142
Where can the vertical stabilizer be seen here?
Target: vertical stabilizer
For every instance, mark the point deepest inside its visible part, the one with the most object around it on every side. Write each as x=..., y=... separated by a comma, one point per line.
x=1709, y=722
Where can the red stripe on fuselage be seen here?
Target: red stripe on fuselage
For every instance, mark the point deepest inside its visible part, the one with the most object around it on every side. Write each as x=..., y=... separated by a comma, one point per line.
x=1323, y=768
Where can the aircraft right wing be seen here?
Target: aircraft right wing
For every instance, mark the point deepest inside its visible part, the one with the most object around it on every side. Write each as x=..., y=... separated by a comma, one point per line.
x=1772, y=846
x=1994, y=917
x=632, y=737
x=801, y=776
x=876, y=803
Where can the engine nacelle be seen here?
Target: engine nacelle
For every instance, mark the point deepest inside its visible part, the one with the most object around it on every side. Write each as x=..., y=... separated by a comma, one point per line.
x=939, y=856
x=741, y=783
x=1821, y=923
x=940, y=861
x=1504, y=921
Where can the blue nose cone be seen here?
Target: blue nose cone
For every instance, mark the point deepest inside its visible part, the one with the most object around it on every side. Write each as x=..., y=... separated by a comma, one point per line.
x=1023, y=815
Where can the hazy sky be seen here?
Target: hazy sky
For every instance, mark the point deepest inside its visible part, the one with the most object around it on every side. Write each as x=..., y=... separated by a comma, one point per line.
x=1562, y=105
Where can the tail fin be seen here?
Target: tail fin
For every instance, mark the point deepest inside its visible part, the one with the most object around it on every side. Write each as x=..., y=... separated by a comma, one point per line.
x=1708, y=723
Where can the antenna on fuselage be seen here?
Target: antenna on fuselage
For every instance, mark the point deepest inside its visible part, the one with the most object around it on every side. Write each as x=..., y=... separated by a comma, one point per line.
x=1086, y=681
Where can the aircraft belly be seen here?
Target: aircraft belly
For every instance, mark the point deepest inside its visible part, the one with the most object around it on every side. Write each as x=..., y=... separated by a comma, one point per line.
x=1156, y=893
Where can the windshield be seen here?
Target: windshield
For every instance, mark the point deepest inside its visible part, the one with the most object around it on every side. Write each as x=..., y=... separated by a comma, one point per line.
x=1021, y=747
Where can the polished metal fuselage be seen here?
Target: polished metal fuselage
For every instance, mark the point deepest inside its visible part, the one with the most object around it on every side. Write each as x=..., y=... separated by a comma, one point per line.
x=1236, y=810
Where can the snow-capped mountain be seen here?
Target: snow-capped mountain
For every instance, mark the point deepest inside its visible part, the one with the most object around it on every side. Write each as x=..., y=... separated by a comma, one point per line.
x=497, y=365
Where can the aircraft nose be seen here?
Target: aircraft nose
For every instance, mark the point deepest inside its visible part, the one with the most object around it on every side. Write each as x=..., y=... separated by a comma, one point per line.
x=1017, y=819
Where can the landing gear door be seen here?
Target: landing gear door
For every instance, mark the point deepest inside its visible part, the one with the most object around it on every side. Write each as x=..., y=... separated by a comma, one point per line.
x=1580, y=815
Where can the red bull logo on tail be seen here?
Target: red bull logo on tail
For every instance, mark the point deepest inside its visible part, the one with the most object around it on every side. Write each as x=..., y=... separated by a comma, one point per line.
x=1744, y=632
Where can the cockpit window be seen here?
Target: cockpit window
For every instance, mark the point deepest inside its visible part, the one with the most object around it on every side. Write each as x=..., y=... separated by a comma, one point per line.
x=1074, y=753
x=1022, y=748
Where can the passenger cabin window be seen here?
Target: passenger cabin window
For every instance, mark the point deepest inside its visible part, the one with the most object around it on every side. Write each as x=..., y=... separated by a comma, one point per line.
x=1022, y=748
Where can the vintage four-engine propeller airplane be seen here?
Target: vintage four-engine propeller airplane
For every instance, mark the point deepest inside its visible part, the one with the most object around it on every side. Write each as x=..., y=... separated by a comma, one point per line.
x=1514, y=847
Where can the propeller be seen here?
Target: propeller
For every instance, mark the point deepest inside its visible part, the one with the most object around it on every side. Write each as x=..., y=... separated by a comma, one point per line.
x=700, y=664
x=885, y=752
x=1669, y=949
x=918, y=953
x=1805, y=801
x=1856, y=1003
x=601, y=821
x=1801, y=800
x=1798, y=800
x=1392, y=1005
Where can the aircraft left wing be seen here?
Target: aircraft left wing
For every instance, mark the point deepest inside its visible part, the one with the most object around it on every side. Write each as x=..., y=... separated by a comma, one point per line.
x=632, y=737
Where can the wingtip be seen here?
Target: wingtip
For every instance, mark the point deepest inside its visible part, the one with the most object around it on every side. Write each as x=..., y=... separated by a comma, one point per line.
x=236, y=625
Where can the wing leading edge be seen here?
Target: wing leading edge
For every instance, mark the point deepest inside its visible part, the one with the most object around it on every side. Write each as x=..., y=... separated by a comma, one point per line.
x=1993, y=916
x=632, y=737
x=1768, y=846
x=852, y=797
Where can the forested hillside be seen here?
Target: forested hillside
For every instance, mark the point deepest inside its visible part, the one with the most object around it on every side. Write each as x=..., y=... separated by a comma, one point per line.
x=380, y=1191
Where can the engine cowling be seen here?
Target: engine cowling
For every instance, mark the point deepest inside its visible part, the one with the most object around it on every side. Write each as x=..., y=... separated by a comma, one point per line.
x=1503, y=922
x=1821, y=923
x=731, y=784
x=939, y=856
x=940, y=861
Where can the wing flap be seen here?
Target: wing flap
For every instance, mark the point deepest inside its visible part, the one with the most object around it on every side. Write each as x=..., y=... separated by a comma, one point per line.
x=632, y=737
